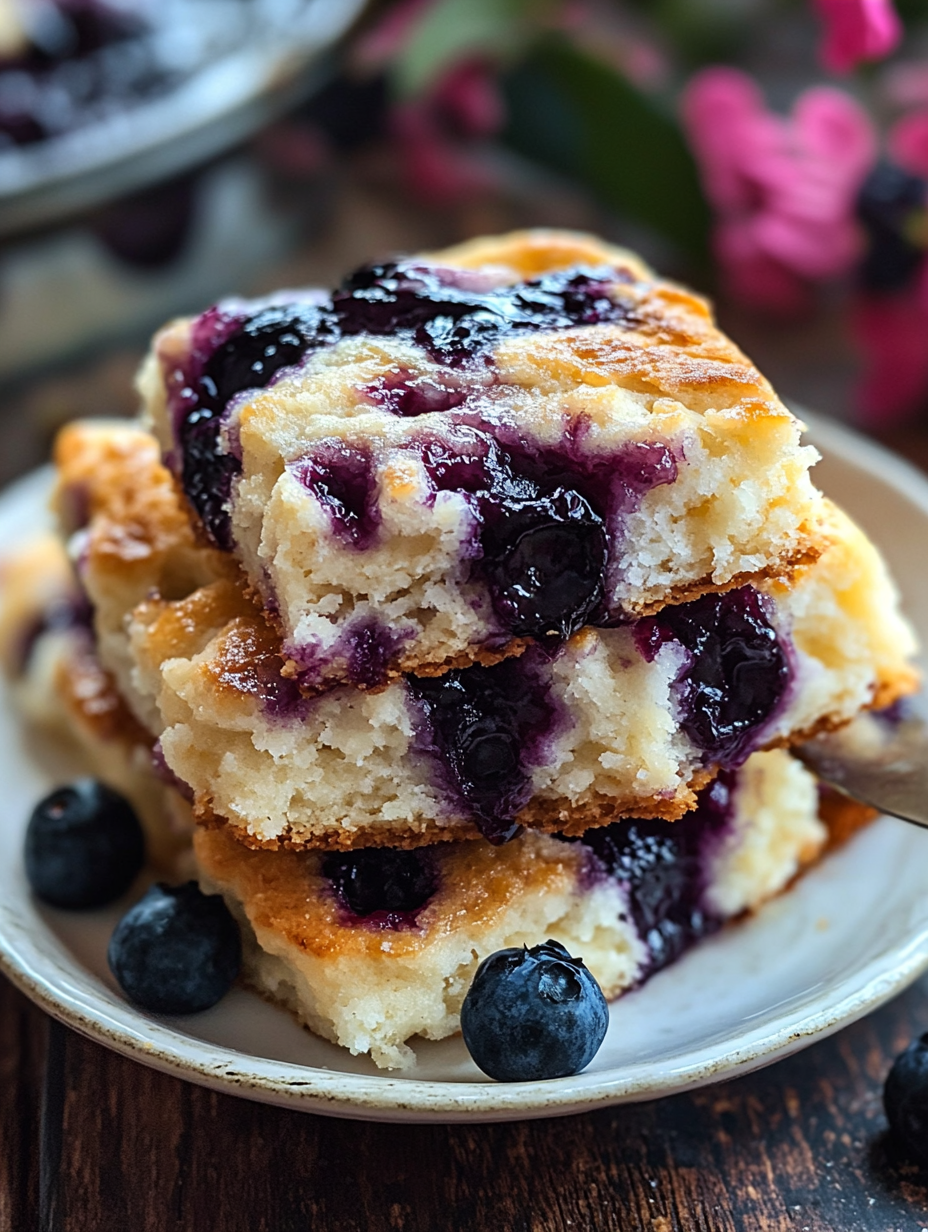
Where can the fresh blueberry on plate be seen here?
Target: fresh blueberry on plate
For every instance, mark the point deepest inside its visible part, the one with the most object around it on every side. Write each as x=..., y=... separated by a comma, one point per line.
x=177, y=951
x=905, y=1098
x=532, y=1014
x=84, y=845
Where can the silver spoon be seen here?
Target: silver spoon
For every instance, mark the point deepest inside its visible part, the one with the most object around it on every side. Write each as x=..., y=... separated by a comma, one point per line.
x=877, y=760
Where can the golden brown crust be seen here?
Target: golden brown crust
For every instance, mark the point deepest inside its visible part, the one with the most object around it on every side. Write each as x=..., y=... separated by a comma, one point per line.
x=91, y=695
x=112, y=481
x=807, y=553
x=842, y=816
x=667, y=344
x=113, y=472
x=287, y=894
x=557, y=816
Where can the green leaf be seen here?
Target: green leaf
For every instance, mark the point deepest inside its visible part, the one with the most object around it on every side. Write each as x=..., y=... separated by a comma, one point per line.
x=452, y=29
x=577, y=114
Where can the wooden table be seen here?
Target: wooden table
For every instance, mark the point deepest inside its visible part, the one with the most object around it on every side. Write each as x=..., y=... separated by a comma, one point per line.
x=90, y=1142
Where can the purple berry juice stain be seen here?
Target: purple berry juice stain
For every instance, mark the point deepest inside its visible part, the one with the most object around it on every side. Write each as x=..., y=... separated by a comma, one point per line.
x=738, y=673
x=372, y=647
x=163, y=771
x=408, y=396
x=68, y=613
x=341, y=478
x=361, y=654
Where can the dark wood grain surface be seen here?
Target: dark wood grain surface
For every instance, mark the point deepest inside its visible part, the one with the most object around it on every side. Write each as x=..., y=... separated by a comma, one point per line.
x=91, y=1142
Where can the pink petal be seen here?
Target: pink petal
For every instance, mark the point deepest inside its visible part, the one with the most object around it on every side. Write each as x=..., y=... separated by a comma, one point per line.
x=784, y=190
x=468, y=93
x=717, y=108
x=831, y=126
x=908, y=142
x=437, y=171
x=379, y=45
x=753, y=277
x=891, y=331
x=814, y=253
x=857, y=30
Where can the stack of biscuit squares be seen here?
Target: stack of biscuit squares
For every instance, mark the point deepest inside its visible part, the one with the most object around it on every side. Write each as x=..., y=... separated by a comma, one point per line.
x=475, y=604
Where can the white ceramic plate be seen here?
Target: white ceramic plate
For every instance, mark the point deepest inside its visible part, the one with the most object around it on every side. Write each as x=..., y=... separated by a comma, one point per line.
x=849, y=936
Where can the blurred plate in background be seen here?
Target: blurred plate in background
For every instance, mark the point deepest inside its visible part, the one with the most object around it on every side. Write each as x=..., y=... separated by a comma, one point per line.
x=233, y=65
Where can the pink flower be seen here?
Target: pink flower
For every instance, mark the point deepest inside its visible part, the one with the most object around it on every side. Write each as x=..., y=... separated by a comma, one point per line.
x=890, y=331
x=437, y=134
x=783, y=188
x=908, y=142
x=857, y=30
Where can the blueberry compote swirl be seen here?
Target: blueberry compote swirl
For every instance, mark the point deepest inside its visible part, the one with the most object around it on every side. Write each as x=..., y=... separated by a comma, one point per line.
x=457, y=316
x=737, y=673
x=663, y=867
x=486, y=726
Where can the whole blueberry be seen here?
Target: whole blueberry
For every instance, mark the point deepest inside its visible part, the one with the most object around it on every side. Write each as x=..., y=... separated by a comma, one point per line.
x=177, y=951
x=533, y=1014
x=545, y=563
x=376, y=879
x=84, y=845
x=905, y=1098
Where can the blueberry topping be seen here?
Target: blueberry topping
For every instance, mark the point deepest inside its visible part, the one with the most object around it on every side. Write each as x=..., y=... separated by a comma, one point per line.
x=452, y=313
x=891, y=205
x=661, y=866
x=545, y=563
x=84, y=846
x=905, y=1098
x=383, y=882
x=738, y=671
x=533, y=1014
x=248, y=358
x=177, y=951
x=484, y=724
x=276, y=337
